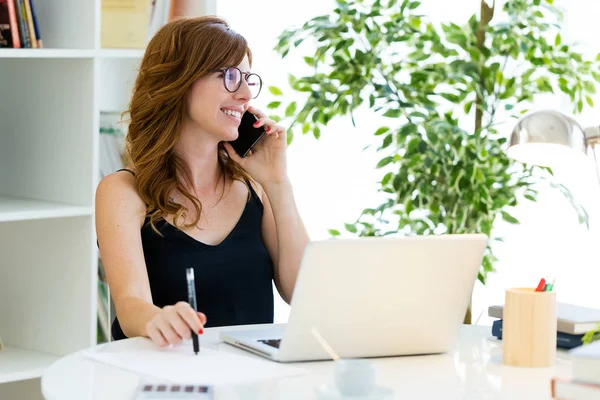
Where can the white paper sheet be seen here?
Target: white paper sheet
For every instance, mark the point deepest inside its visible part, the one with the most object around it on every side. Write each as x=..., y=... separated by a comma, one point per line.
x=180, y=364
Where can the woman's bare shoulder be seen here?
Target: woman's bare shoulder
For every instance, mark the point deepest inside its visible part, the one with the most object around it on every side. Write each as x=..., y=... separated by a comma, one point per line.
x=119, y=191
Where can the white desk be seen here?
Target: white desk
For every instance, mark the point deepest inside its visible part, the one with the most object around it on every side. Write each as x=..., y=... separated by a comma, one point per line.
x=472, y=371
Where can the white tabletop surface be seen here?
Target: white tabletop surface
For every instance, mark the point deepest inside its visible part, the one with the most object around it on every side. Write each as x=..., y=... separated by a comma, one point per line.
x=473, y=370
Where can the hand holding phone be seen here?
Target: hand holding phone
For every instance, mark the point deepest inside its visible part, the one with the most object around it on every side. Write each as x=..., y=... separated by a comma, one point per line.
x=248, y=136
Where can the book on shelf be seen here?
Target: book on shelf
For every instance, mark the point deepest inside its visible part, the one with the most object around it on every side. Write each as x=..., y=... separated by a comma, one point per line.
x=133, y=23
x=112, y=144
x=563, y=340
x=19, y=24
x=570, y=318
x=104, y=312
x=124, y=23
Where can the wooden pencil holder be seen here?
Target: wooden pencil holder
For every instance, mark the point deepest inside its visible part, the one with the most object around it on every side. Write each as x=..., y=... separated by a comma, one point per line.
x=529, y=328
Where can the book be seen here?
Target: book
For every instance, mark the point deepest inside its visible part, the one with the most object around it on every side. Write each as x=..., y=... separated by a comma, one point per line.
x=30, y=28
x=586, y=363
x=36, y=27
x=14, y=26
x=563, y=389
x=125, y=23
x=22, y=22
x=571, y=318
x=563, y=340
x=9, y=35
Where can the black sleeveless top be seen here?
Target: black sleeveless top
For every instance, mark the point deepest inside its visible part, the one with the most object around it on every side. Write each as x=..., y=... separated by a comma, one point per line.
x=233, y=278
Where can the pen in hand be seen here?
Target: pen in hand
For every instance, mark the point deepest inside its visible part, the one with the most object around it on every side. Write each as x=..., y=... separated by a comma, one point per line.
x=191, y=289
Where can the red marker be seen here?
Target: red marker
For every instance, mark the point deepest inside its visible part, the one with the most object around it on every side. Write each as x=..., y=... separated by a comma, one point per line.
x=541, y=285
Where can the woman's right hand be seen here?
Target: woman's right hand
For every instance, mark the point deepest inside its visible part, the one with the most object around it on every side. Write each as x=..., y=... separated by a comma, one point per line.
x=173, y=324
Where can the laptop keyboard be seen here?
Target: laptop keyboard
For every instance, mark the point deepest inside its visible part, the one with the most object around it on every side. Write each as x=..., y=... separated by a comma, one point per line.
x=271, y=342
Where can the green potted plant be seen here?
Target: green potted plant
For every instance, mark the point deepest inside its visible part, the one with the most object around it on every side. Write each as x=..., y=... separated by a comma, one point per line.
x=444, y=91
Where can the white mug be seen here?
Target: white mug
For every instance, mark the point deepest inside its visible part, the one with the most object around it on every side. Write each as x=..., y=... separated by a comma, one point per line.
x=355, y=377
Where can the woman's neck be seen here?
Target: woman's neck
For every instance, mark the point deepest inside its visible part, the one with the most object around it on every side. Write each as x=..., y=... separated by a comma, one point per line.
x=202, y=159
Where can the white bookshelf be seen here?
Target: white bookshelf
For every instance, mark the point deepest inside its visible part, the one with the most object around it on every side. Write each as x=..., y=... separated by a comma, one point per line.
x=50, y=106
x=19, y=364
x=72, y=53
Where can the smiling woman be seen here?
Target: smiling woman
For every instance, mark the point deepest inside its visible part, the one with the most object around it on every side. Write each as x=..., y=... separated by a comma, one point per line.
x=188, y=200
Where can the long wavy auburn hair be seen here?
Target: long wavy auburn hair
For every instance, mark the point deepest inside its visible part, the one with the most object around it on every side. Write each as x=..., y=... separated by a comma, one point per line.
x=180, y=53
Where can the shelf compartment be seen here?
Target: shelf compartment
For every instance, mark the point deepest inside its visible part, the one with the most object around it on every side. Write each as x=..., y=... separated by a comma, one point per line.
x=19, y=364
x=22, y=209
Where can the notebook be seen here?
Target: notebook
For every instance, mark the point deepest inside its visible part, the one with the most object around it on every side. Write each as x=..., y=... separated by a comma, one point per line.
x=570, y=318
x=179, y=364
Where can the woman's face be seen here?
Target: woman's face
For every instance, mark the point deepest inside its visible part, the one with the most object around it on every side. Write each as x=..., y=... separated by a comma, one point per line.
x=216, y=111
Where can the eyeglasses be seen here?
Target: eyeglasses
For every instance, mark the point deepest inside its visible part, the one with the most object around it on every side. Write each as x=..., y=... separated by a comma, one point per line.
x=232, y=80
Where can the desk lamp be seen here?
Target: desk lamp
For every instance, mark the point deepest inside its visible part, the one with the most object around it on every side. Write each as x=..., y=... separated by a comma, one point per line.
x=546, y=137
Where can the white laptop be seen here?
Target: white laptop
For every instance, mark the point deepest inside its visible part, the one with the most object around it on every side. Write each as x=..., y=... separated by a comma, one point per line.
x=373, y=297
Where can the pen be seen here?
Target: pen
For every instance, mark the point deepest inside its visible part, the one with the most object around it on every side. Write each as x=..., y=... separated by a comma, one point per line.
x=191, y=289
x=541, y=285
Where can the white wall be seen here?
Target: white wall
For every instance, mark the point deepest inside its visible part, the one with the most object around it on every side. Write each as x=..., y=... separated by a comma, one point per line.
x=334, y=179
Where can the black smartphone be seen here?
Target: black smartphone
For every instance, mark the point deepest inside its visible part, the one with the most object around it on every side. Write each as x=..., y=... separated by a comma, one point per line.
x=248, y=136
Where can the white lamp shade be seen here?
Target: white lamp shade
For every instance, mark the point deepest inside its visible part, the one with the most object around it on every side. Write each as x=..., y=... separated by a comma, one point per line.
x=547, y=138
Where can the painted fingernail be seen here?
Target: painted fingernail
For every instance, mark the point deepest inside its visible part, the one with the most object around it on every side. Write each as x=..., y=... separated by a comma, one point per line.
x=256, y=123
x=201, y=331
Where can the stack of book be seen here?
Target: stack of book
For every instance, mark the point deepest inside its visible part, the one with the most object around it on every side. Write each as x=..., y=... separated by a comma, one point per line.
x=572, y=323
x=585, y=383
x=19, y=25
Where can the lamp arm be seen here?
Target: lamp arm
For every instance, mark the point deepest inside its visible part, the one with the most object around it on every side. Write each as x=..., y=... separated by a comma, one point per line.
x=593, y=145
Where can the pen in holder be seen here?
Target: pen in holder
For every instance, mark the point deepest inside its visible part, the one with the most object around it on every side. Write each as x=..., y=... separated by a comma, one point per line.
x=529, y=328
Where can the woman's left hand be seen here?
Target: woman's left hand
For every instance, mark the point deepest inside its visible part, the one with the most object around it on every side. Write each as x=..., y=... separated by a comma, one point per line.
x=266, y=162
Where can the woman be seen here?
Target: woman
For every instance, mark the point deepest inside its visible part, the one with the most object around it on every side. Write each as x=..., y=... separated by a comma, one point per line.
x=188, y=200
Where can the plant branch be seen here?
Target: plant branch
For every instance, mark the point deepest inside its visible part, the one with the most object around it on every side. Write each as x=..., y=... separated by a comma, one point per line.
x=487, y=13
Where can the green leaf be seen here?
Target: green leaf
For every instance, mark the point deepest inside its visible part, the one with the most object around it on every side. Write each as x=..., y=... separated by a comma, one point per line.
x=316, y=132
x=589, y=87
x=290, y=136
x=413, y=5
x=385, y=161
x=275, y=91
x=386, y=178
x=509, y=218
x=334, y=232
x=590, y=101
x=467, y=106
x=393, y=113
x=557, y=40
x=350, y=228
x=387, y=141
x=310, y=61
x=381, y=130
x=274, y=104
x=305, y=128
x=290, y=109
